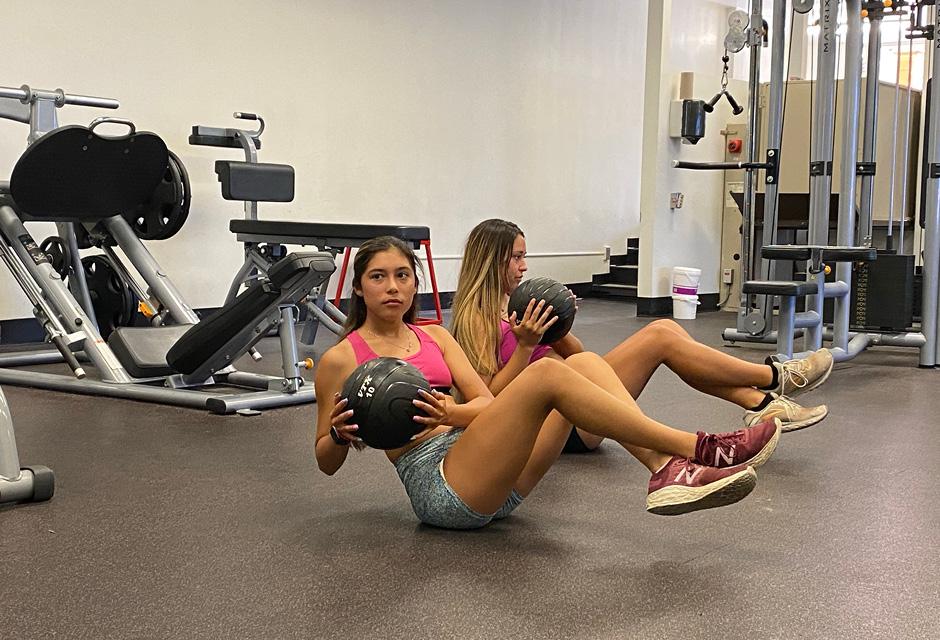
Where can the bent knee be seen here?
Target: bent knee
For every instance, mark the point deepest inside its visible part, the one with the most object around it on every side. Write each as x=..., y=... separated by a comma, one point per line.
x=665, y=330
x=665, y=324
x=545, y=366
x=585, y=358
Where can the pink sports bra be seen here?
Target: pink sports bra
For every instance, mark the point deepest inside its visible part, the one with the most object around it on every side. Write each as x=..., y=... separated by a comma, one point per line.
x=508, y=342
x=429, y=359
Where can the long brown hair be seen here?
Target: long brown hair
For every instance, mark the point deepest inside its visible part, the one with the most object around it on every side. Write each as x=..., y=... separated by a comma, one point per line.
x=357, y=306
x=480, y=289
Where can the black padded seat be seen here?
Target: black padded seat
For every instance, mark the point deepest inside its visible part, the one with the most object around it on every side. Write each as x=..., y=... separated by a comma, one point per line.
x=219, y=339
x=207, y=337
x=780, y=287
x=255, y=181
x=143, y=350
x=73, y=174
x=830, y=254
x=850, y=254
x=327, y=233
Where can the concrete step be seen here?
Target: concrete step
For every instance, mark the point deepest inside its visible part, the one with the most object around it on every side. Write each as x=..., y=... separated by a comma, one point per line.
x=623, y=274
x=613, y=290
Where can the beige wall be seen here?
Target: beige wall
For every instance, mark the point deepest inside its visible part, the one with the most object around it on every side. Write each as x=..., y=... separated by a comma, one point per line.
x=399, y=111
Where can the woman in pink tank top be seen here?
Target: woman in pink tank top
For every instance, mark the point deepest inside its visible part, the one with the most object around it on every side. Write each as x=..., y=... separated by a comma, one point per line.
x=500, y=348
x=475, y=460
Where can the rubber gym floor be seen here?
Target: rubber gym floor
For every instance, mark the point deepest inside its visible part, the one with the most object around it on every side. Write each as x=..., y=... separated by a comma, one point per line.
x=173, y=523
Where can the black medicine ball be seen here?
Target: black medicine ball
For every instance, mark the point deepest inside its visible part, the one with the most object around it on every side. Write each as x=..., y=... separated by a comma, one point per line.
x=380, y=392
x=554, y=293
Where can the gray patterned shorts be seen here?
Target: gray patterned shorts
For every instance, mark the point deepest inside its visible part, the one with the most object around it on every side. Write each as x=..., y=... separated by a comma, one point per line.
x=434, y=501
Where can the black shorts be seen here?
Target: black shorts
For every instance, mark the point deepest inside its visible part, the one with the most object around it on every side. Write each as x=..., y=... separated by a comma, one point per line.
x=575, y=444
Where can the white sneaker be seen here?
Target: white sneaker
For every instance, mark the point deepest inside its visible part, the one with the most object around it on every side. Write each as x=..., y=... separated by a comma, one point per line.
x=792, y=416
x=804, y=374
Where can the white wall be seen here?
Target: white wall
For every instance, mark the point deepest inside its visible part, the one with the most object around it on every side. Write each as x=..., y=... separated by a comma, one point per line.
x=692, y=40
x=438, y=113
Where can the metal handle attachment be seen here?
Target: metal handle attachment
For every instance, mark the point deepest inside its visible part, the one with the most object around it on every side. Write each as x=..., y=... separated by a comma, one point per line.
x=105, y=120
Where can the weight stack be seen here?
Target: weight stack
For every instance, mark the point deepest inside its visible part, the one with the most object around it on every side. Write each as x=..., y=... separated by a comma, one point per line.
x=883, y=293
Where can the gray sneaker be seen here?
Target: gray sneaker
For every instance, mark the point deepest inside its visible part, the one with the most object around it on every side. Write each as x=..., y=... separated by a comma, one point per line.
x=792, y=416
x=805, y=374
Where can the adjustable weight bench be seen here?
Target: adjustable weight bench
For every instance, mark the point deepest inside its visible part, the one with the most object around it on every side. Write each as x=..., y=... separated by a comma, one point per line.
x=788, y=319
x=252, y=182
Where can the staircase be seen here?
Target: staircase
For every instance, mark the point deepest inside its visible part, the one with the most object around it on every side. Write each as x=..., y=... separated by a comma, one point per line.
x=620, y=281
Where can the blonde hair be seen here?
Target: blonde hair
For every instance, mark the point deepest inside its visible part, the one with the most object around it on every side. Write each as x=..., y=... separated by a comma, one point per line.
x=480, y=288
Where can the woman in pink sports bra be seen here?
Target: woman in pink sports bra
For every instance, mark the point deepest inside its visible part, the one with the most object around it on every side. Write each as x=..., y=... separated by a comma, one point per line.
x=476, y=460
x=500, y=348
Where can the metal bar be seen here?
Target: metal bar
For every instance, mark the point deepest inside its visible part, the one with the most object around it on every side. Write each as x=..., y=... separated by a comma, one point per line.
x=77, y=282
x=289, y=356
x=68, y=384
x=870, y=136
x=889, y=240
x=128, y=279
x=26, y=94
x=9, y=459
x=717, y=166
x=846, y=227
x=929, y=352
x=905, y=173
x=821, y=185
x=736, y=335
x=753, y=135
x=65, y=309
x=785, y=325
x=774, y=143
x=324, y=318
x=30, y=358
x=261, y=400
x=161, y=286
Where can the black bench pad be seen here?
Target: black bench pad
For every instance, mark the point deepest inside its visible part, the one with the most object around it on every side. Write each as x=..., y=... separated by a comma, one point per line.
x=779, y=287
x=143, y=350
x=328, y=233
x=255, y=181
x=830, y=254
x=224, y=336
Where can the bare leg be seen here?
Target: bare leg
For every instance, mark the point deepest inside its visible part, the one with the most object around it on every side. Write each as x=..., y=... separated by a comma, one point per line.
x=484, y=465
x=701, y=367
x=554, y=432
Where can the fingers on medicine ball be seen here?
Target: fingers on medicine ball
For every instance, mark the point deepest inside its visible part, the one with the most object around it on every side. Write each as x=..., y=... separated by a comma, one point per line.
x=380, y=393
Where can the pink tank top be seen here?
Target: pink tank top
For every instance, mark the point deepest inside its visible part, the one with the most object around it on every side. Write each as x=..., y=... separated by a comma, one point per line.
x=508, y=342
x=429, y=359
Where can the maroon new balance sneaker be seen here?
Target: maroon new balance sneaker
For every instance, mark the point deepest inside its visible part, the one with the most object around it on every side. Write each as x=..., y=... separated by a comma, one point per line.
x=683, y=486
x=751, y=446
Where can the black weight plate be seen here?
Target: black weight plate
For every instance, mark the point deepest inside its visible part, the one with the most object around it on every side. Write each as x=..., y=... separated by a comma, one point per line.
x=114, y=304
x=55, y=249
x=164, y=213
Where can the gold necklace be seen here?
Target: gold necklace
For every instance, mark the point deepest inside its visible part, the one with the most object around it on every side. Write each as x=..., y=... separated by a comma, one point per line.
x=406, y=348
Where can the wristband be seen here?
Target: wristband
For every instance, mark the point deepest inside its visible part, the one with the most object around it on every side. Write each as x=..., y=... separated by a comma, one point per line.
x=338, y=439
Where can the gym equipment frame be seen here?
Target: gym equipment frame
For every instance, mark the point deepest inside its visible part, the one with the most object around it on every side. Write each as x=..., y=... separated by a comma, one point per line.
x=188, y=363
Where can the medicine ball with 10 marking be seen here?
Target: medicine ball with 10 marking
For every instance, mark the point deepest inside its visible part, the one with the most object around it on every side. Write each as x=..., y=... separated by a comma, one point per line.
x=380, y=394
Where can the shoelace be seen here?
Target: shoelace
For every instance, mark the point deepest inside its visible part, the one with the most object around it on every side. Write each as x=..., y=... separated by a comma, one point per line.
x=713, y=442
x=728, y=438
x=791, y=372
x=788, y=404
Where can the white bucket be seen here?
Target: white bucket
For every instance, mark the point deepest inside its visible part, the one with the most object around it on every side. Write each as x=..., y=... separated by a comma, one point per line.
x=685, y=281
x=684, y=307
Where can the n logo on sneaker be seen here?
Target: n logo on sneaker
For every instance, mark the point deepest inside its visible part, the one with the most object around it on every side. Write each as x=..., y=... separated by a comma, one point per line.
x=719, y=454
x=687, y=476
